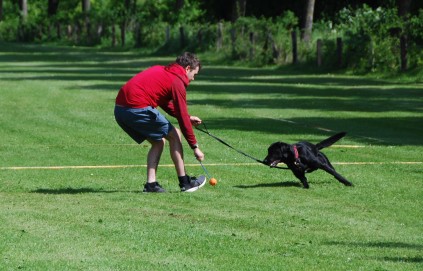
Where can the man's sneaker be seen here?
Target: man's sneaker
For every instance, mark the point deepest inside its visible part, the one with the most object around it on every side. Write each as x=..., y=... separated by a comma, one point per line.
x=193, y=184
x=153, y=187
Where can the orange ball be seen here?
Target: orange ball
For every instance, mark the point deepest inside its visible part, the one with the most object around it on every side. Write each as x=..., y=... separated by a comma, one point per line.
x=213, y=182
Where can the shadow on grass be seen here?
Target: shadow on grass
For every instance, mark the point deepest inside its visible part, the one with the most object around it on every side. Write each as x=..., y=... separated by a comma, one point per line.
x=268, y=90
x=403, y=259
x=73, y=191
x=378, y=244
x=379, y=131
x=281, y=184
x=386, y=245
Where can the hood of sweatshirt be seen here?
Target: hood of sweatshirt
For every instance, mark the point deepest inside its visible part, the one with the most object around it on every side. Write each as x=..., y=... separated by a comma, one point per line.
x=179, y=71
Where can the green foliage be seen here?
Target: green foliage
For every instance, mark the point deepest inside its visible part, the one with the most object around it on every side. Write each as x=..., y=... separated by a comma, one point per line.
x=371, y=38
x=259, y=41
x=189, y=13
x=415, y=27
x=8, y=29
x=370, y=35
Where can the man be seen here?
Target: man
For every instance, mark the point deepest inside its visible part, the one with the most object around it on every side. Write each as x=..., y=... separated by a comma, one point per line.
x=136, y=113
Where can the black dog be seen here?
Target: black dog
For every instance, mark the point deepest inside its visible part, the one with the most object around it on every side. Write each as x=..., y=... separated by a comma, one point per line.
x=304, y=157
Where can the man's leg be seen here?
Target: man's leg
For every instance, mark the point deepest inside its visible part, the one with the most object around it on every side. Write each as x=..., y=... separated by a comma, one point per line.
x=186, y=183
x=153, y=159
x=176, y=151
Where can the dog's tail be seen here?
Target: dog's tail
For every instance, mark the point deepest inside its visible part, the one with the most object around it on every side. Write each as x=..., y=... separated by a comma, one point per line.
x=329, y=141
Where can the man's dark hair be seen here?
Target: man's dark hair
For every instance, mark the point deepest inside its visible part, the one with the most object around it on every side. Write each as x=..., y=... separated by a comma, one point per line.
x=188, y=59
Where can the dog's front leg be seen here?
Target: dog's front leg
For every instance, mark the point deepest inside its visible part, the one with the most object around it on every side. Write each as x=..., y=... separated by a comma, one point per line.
x=301, y=176
x=305, y=183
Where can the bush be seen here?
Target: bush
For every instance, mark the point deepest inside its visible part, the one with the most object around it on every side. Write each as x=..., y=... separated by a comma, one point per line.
x=415, y=34
x=9, y=29
x=257, y=42
x=369, y=45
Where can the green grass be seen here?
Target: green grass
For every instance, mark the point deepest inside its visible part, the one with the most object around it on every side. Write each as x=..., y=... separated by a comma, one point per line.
x=56, y=110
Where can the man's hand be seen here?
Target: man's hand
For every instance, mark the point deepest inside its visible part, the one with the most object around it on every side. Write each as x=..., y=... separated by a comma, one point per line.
x=195, y=121
x=198, y=154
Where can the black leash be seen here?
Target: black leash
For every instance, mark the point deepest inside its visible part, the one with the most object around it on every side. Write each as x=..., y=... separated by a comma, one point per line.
x=206, y=131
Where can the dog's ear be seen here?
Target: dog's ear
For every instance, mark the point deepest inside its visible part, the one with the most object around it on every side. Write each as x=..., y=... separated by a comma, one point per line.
x=272, y=148
x=284, y=149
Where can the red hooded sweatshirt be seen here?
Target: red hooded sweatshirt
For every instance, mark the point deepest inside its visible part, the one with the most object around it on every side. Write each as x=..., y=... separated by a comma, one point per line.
x=163, y=86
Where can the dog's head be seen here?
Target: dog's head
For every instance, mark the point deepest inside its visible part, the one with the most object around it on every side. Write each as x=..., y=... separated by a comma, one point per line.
x=277, y=152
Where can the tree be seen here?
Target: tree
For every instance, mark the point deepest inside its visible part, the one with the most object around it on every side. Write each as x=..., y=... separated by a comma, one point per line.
x=308, y=22
x=124, y=21
x=179, y=4
x=52, y=8
x=86, y=7
x=53, y=5
x=1, y=10
x=23, y=6
x=404, y=12
x=238, y=9
x=23, y=32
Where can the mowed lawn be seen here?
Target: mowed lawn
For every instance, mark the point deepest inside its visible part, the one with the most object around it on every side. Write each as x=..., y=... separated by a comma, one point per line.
x=70, y=179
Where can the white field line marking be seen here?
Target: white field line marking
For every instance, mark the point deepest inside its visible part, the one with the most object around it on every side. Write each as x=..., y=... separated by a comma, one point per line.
x=147, y=146
x=194, y=165
x=75, y=145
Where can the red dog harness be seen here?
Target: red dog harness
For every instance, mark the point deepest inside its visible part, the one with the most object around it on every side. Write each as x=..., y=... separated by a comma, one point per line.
x=297, y=156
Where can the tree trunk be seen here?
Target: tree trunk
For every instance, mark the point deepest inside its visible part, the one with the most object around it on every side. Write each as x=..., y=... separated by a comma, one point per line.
x=124, y=22
x=113, y=35
x=252, y=44
x=319, y=46
x=53, y=5
x=23, y=4
x=219, y=41
x=179, y=4
x=308, y=22
x=1, y=10
x=22, y=34
x=339, y=51
x=182, y=36
x=404, y=7
x=403, y=54
x=167, y=34
x=137, y=34
x=123, y=33
x=404, y=11
x=86, y=7
x=137, y=30
x=238, y=9
x=294, y=47
x=69, y=31
x=59, y=30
